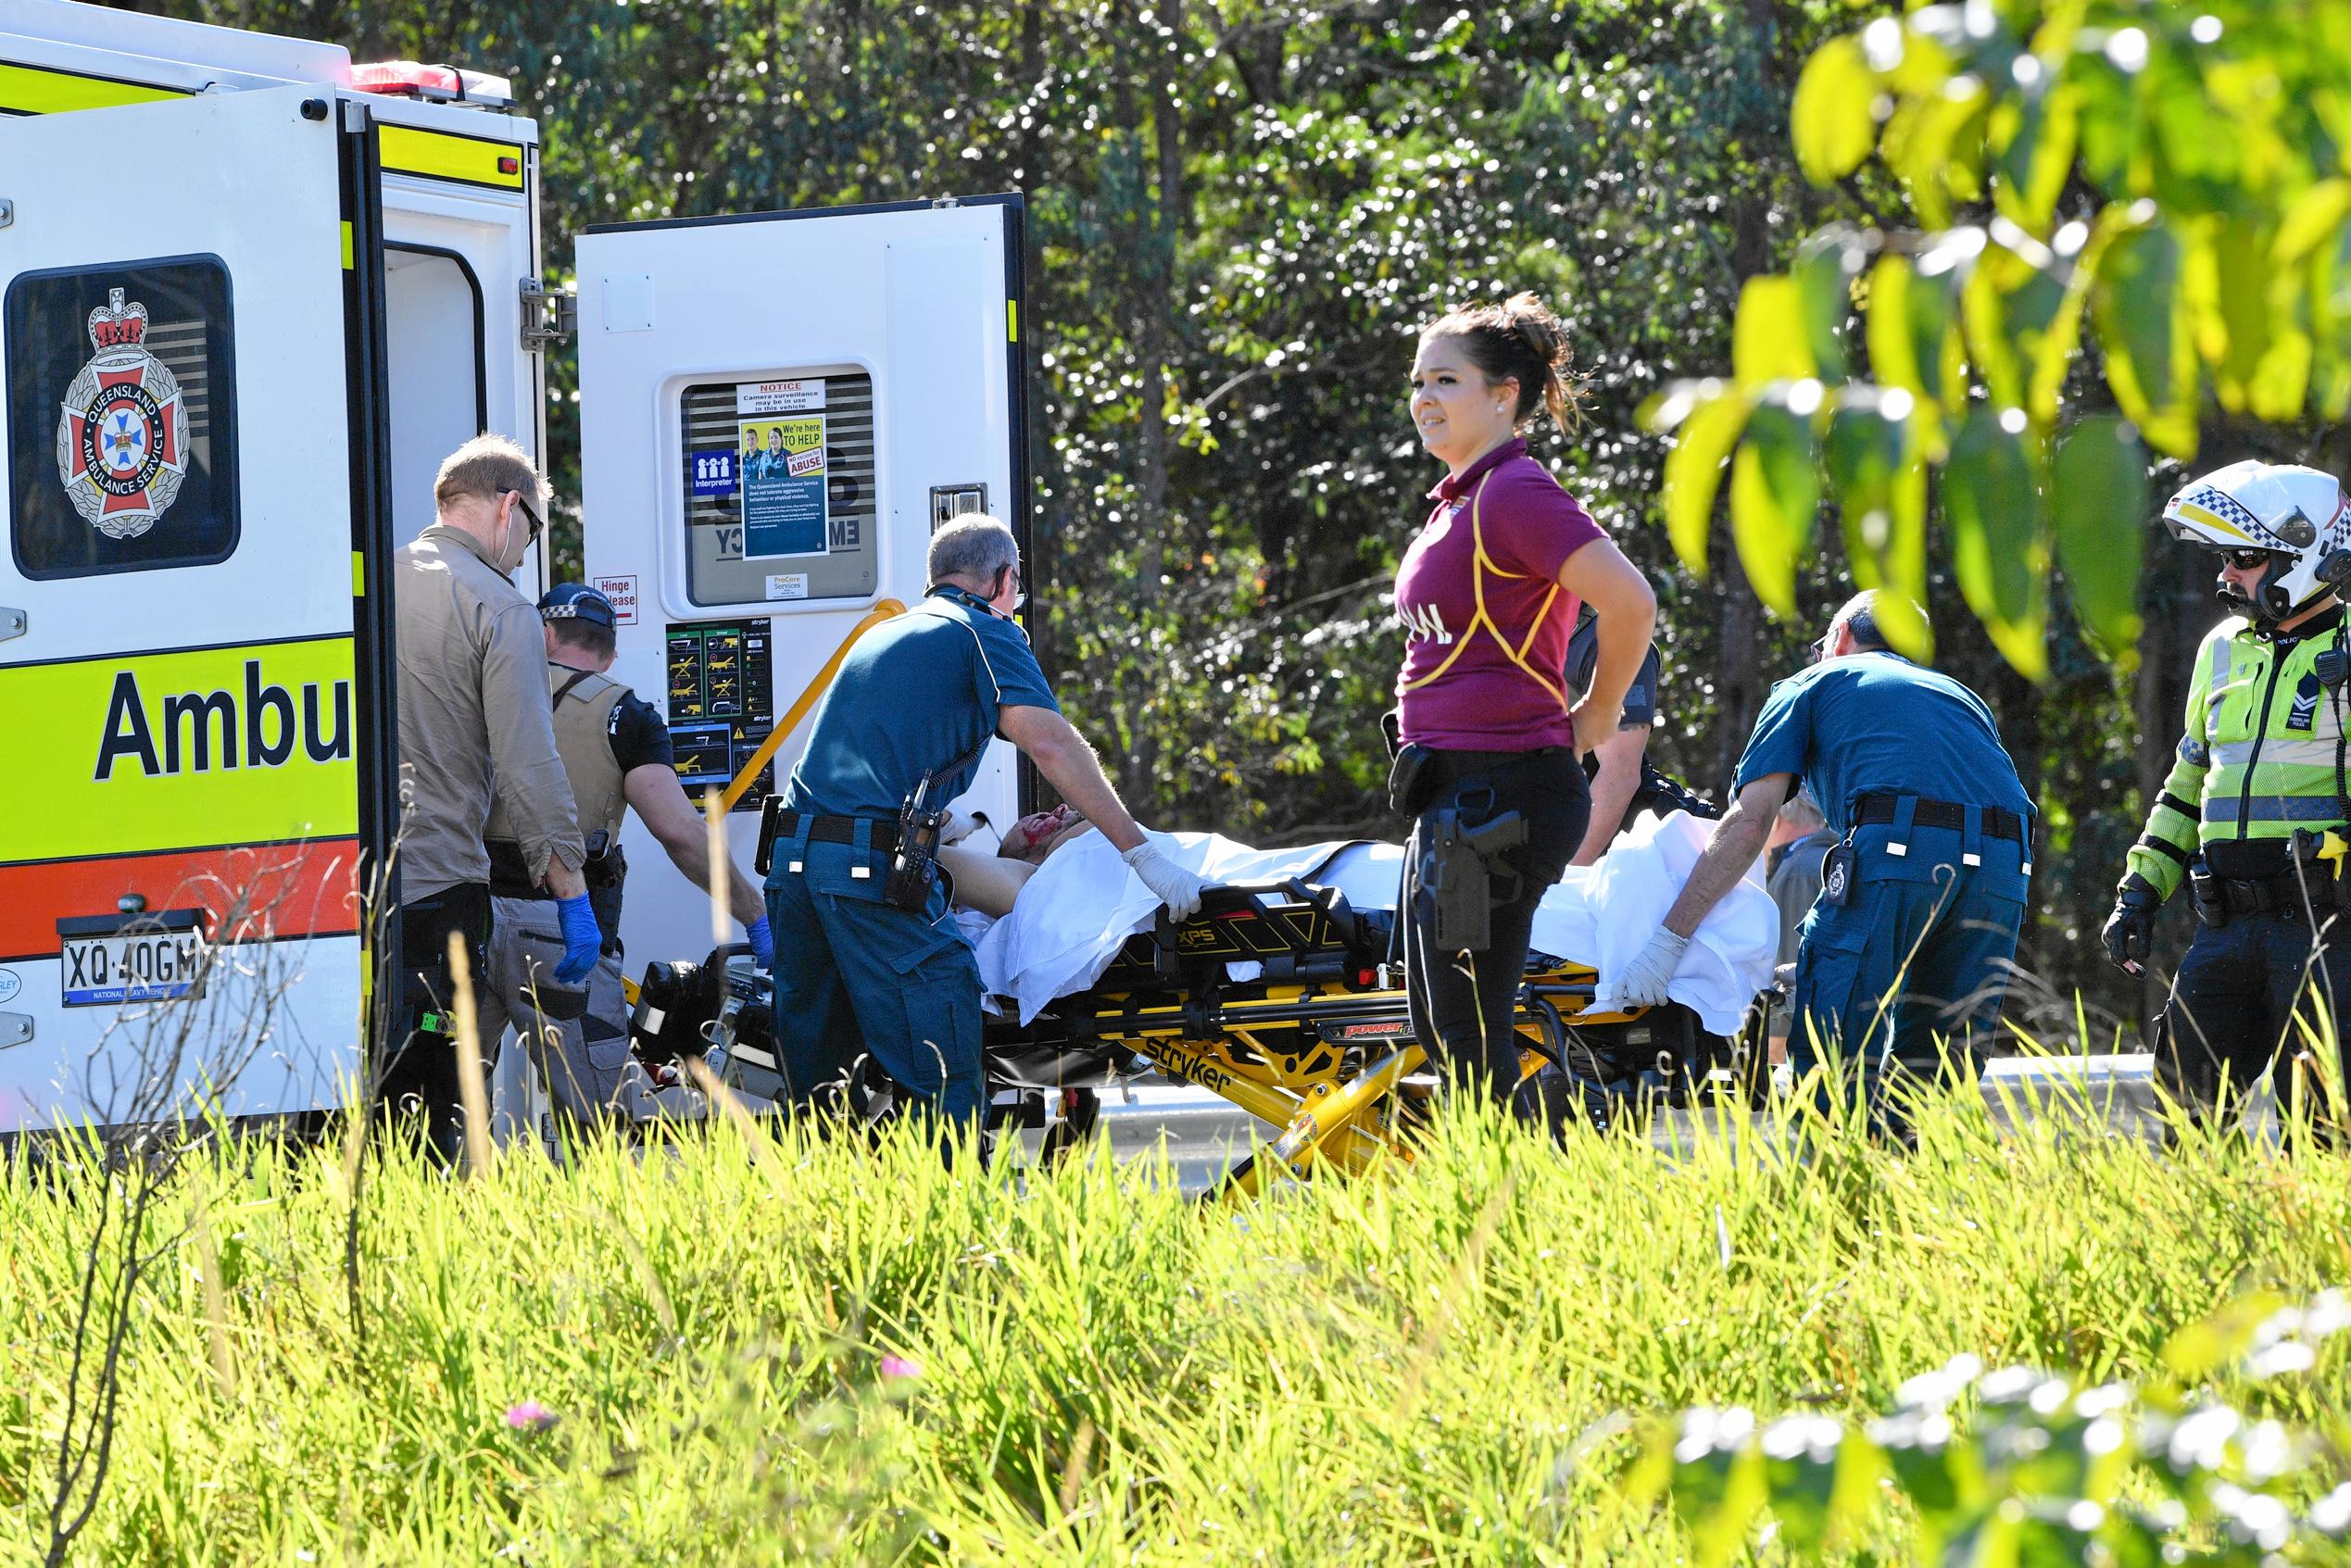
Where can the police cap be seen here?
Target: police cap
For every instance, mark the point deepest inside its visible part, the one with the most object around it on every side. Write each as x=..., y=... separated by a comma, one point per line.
x=577, y=601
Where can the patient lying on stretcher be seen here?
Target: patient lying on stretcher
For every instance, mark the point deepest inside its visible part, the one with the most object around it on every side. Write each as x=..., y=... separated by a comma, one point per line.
x=1051, y=906
x=990, y=881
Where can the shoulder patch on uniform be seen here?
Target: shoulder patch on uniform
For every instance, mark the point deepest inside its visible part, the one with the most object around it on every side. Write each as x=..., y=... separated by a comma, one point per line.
x=2194, y=753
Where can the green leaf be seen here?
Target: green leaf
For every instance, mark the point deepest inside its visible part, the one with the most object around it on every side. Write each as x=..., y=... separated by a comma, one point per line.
x=1768, y=341
x=1693, y=471
x=1893, y=357
x=2010, y=306
x=1824, y=272
x=2109, y=118
x=2140, y=311
x=2280, y=382
x=1775, y=491
x=1717, y=1495
x=2032, y=139
x=1913, y=344
x=2054, y=354
x=1935, y=144
x=1832, y=121
x=1999, y=552
x=2316, y=215
x=1878, y=478
x=2098, y=500
x=2202, y=1348
x=2235, y=318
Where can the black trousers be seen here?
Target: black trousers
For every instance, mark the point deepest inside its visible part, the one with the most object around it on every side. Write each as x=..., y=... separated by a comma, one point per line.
x=418, y=1071
x=1463, y=1004
x=2232, y=1006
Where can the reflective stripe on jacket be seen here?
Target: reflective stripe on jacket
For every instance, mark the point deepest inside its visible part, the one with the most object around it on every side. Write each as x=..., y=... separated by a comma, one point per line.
x=2261, y=751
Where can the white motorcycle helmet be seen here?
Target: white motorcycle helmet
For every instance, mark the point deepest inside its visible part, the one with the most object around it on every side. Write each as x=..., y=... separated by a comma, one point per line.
x=2296, y=516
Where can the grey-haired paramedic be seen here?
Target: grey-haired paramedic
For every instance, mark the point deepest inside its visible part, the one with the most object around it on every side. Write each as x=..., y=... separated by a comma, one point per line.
x=915, y=704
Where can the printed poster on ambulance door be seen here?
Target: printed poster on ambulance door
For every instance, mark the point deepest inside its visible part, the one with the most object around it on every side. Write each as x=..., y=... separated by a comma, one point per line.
x=780, y=442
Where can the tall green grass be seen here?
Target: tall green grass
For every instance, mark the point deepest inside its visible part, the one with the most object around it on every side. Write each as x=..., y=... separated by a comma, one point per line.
x=811, y=1350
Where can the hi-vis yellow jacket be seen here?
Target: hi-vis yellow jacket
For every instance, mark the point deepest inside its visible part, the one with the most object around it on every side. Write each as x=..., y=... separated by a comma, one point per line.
x=2262, y=752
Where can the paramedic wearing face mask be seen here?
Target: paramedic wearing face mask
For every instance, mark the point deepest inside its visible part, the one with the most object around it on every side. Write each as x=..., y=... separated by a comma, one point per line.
x=2252, y=815
x=864, y=960
x=475, y=726
x=1491, y=739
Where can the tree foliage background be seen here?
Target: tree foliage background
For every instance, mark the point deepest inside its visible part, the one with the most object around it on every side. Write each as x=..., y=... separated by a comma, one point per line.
x=1242, y=210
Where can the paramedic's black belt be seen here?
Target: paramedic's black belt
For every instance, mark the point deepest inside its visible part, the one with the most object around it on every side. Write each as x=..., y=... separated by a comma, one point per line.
x=834, y=830
x=1998, y=820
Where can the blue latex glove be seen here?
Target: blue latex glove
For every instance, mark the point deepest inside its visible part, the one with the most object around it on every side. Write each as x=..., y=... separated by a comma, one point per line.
x=582, y=941
x=763, y=943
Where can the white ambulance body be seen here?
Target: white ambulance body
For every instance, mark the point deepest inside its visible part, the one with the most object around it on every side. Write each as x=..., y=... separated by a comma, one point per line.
x=250, y=298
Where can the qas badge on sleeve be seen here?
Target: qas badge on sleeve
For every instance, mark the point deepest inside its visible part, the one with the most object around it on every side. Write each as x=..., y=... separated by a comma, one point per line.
x=123, y=440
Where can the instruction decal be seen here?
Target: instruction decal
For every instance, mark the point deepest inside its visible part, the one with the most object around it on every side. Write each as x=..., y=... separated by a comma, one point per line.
x=785, y=510
x=621, y=591
x=757, y=398
x=714, y=470
x=722, y=703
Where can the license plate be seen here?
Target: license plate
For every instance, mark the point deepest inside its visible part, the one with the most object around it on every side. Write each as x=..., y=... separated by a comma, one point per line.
x=154, y=966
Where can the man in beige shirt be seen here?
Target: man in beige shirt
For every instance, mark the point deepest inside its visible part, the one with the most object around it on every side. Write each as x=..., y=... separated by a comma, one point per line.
x=474, y=725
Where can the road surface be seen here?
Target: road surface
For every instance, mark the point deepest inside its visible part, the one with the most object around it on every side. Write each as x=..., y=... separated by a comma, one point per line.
x=1204, y=1135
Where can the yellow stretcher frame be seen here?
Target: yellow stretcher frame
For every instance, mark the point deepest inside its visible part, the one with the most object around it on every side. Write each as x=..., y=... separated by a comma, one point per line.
x=1332, y=1121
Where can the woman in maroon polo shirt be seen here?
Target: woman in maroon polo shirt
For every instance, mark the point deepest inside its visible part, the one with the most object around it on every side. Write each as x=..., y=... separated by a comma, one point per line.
x=1488, y=595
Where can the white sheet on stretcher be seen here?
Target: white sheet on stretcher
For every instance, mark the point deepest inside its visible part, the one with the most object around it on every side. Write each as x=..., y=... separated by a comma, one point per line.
x=1080, y=909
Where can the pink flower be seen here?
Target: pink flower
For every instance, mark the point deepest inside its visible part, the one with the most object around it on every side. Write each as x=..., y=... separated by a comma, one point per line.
x=529, y=1416
x=899, y=1366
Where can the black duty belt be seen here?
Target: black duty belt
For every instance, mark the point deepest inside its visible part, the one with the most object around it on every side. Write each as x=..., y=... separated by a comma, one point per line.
x=511, y=878
x=2218, y=897
x=781, y=826
x=1998, y=821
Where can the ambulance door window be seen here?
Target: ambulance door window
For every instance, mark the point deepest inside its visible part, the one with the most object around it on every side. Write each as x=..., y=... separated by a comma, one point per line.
x=121, y=417
x=439, y=380
x=779, y=489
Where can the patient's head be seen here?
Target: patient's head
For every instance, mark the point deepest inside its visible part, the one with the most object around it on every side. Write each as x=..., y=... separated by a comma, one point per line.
x=1040, y=832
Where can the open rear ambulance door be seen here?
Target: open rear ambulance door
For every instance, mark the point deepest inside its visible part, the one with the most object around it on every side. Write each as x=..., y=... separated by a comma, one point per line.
x=191, y=632
x=776, y=411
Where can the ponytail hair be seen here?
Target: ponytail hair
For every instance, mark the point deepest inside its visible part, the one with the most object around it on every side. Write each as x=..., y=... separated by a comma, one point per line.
x=1520, y=340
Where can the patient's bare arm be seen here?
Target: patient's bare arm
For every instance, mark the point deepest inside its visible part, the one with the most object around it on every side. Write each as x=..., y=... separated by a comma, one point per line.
x=985, y=882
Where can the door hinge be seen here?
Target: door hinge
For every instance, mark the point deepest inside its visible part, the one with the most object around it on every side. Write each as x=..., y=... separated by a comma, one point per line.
x=16, y=1028
x=12, y=623
x=548, y=314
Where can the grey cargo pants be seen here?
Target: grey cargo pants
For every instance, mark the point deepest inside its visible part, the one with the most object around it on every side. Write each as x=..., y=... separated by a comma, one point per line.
x=582, y=1058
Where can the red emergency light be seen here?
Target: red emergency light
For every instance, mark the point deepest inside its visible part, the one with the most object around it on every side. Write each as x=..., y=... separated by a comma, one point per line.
x=439, y=85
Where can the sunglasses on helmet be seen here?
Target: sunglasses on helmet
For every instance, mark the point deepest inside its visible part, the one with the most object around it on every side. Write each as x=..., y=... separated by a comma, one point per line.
x=2248, y=560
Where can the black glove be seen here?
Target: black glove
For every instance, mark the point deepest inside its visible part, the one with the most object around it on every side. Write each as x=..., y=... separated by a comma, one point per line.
x=2130, y=931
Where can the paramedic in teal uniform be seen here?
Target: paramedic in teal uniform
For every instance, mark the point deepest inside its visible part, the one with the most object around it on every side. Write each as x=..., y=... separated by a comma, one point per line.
x=1909, y=949
x=918, y=697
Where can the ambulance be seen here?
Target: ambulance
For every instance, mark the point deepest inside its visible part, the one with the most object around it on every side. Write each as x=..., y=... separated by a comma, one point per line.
x=250, y=294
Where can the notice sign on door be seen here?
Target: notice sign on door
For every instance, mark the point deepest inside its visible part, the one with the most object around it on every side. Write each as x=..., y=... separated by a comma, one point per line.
x=783, y=480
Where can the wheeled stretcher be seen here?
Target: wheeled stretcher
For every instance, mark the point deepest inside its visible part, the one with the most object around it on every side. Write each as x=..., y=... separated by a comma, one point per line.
x=1280, y=999
x=1289, y=1003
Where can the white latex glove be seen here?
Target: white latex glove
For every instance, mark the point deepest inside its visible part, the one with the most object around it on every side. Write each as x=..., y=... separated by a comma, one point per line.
x=1644, y=981
x=1176, y=889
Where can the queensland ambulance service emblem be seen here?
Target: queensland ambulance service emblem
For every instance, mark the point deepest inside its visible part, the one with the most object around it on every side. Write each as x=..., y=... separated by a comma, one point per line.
x=122, y=441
